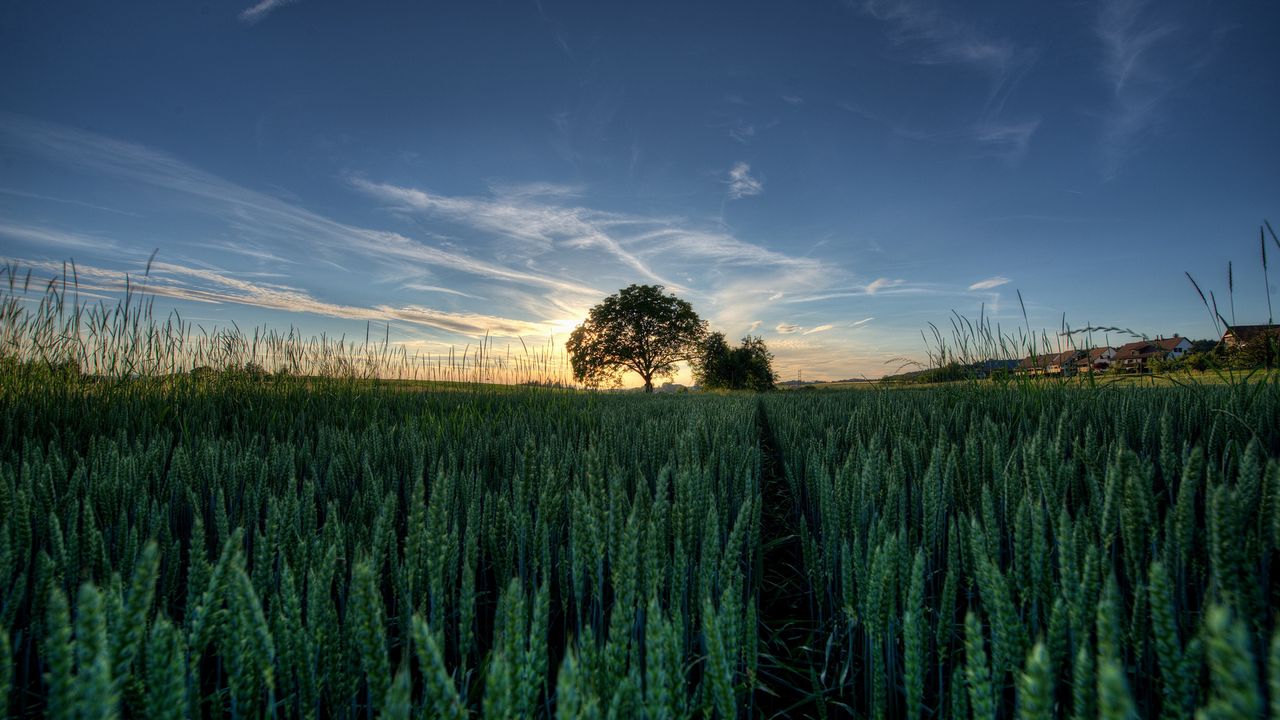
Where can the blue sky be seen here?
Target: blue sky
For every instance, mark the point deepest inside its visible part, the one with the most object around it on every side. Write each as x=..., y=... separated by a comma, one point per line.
x=830, y=175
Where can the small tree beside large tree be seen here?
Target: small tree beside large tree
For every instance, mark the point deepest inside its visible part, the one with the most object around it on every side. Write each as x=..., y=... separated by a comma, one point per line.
x=640, y=329
x=746, y=367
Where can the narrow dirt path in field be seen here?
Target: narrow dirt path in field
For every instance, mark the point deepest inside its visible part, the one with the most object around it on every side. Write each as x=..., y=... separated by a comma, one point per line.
x=786, y=682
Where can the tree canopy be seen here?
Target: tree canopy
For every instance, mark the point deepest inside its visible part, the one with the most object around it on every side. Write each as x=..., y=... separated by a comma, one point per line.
x=640, y=329
x=746, y=367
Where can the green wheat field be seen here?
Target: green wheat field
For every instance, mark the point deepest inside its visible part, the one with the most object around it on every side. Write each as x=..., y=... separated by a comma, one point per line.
x=178, y=544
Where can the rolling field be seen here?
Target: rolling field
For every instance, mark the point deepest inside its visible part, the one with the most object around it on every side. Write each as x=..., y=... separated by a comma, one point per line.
x=275, y=547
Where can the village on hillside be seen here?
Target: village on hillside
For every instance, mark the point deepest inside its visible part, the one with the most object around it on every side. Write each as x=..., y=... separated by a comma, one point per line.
x=1241, y=347
x=1144, y=355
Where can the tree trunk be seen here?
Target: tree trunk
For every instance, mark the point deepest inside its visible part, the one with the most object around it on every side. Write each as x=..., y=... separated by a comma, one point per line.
x=648, y=383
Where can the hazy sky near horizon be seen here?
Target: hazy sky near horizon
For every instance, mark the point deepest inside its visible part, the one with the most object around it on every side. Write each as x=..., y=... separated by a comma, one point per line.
x=830, y=175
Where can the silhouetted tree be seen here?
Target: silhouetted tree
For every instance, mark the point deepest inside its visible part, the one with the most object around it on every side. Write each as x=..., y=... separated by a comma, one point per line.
x=746, y=367
x=640, y=329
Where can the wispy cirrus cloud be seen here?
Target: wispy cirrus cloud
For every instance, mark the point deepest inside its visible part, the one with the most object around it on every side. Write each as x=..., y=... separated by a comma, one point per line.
x=932, y=36
x=879, y=284
x=991, y=282
x=530, y=215
x=53, y=237
x=938, y=37
x=66, y=201
x=1141, y=67
x=259, y=11
x=1126, y=40
x=786, y=328
x=257, y=219
x=742, y=275
x=880, y=287
x=216, y=286
x=1008, y=140
x=742, y=183
x=419, y=287
x=540, y=251
x=742, y=131
x=722, y=248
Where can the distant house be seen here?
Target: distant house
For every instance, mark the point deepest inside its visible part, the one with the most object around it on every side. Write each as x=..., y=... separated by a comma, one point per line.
x=1034, y=364
x=1136, y=356
x=1059, y=363
x=1095, y=359
x=1237, y=335
x=1101, y=358
x=1063, y=363
x=1176, y=347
